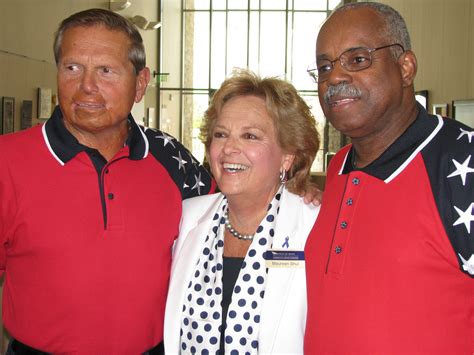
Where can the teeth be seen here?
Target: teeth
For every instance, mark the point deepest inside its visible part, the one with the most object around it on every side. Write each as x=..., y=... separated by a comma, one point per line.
x=234, y=167
x=342, y=100
x=89, y=105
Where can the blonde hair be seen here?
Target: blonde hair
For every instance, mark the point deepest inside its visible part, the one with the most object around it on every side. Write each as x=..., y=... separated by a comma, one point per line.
x=294, y=123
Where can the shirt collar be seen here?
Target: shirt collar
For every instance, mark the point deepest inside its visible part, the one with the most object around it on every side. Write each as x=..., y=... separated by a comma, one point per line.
x=393, y=160
x=63, y=146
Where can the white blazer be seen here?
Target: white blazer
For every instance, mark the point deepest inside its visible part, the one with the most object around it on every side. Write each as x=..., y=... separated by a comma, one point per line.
x=283, y=316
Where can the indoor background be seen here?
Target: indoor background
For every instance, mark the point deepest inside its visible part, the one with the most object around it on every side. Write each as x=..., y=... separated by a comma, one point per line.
x=193, y=44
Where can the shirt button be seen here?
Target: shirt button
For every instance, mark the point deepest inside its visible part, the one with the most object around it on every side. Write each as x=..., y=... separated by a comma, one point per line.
x=106, y=171
x=349, y=202
x=110, y=196
x=338, y=250
x=344, y=225
x=355, y=181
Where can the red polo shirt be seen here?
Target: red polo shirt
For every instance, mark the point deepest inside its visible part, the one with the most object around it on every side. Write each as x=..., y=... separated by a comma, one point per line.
x=390, y=260
x=86, y=243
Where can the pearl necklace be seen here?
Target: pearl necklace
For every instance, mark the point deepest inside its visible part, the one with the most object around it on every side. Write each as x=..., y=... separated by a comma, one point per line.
x=232, y=231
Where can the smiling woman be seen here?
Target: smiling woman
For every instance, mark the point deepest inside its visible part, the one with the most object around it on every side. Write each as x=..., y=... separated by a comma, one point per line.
x=279, y=108
x=244, y=153
x=260, y=139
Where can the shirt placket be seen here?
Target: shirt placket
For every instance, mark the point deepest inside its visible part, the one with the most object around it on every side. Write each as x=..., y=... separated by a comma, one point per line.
x=342, y=232
x=112, y=196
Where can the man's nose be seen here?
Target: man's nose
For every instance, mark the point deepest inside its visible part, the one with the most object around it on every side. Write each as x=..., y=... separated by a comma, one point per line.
x=338, y=74
x=89, y=82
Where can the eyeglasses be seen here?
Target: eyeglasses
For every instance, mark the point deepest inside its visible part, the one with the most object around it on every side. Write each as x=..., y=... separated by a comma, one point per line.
x=354, y=59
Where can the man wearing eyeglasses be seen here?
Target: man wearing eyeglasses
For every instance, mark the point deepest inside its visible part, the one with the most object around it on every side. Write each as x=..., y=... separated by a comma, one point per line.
x=390, y=262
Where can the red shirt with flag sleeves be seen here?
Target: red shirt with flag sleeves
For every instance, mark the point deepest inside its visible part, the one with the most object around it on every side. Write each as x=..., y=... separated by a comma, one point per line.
x=86, y=243
x=390, y=261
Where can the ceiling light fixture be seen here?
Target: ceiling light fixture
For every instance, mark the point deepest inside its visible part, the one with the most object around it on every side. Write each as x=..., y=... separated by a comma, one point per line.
x=153, y=25
x=119, y=5
x=144, y=24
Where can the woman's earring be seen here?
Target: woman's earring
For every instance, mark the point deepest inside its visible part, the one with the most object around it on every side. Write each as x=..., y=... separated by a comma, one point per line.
x=283, y=176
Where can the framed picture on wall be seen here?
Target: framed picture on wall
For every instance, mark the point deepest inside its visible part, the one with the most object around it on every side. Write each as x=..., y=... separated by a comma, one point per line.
x=26, y=114
x=422, y=97
x=44, y=103
x=440, y=109
x=463, y=111
x=8, y=114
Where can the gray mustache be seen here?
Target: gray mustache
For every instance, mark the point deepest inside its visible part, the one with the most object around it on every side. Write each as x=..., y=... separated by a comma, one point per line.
x=341, y=89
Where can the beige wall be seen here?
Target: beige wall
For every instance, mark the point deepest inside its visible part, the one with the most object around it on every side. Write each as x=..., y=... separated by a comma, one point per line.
x=442, y=34
x=26, y=39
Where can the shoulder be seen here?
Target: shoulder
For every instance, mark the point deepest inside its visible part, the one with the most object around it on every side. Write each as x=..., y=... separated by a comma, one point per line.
x=455, y=131
x=293, y=202
x=164, y=144
x=291, y=199
x=202, y=202
x=21, y=137
x=189, y=175
x=453, y=137
x=196, y=207
x=453, y=142
x=16, y=145
x=197, y=212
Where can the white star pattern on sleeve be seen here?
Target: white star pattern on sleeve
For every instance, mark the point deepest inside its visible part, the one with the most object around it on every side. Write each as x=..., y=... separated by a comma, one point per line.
x=193, y=159
x=146, y=129
x=198, y=183
x=468, y=265
x=466, y=133
x=181, y=161
x=465, y=217
x=462, y=170
x=166, y=139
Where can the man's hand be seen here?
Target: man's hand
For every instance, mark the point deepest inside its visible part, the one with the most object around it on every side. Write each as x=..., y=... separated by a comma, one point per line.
x=312, y=195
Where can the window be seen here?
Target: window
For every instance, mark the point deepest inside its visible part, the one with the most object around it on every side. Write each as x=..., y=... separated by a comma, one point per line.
x=203, y=40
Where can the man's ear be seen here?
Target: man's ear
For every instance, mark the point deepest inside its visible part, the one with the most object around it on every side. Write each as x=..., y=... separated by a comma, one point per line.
x=408, y=67
x=143, y=78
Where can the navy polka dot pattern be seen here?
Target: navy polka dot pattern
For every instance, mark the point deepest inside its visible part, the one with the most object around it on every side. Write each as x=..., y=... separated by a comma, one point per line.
x=202, y=311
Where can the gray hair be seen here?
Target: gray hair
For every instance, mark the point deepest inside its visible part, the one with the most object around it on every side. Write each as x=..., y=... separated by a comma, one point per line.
x=395, y=27
x=112, y=21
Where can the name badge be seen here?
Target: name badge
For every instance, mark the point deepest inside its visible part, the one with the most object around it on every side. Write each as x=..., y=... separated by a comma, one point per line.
x=284, y=258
